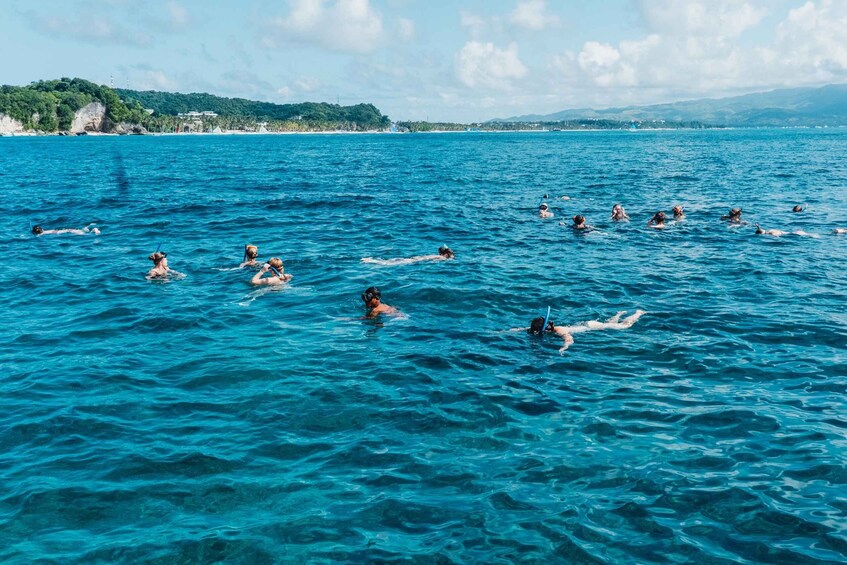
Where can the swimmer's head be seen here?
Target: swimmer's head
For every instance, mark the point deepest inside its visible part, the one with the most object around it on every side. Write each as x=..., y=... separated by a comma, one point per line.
x=617, y=208
x=578, y=220
x=543, y=206
x=659, y=217
x=759, y=230
x=276, y=263
x=677, y=210
x=536, y=326
x=445, y=251
x=251, y=251
x=371, y=294
x=735, y=213
x=157, y=257
x=37, y=230
x=546, y=196
x=797, y=208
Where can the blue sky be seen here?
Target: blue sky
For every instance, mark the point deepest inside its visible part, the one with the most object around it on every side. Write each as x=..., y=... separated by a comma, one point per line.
x=416, y=59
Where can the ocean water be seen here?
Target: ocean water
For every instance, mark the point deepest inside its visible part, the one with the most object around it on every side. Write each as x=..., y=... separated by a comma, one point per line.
x=201, y=420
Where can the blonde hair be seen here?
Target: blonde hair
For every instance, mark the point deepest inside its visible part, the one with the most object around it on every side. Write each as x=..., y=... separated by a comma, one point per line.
x=157, y=257
x=251, y=251
x=276, y=263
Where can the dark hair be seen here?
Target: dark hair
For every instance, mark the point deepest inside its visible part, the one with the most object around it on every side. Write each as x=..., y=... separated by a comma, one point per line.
x=371, y=293
x=543, y=205
x=445, y=251
x=659, y=217
x=37, y=230
x=536, y=326
x=579, y=219
x=797, y=208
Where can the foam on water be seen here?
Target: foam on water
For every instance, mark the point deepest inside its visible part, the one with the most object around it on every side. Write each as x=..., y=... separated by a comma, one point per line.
x=205, y=420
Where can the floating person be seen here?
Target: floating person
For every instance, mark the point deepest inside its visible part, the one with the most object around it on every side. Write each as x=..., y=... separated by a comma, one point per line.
x=372, y=298
x=657, y=221
x=797, y=208
x=444, y=253
x=775, y=233
x=579, y=223
x=38, y=230
x=160, y=268
x=540, y=325
x=278, y=275
x=250, y=254
x=678, y=213
x=544, y=211
x=734, y=216
x=839, y=231
x=619, y=214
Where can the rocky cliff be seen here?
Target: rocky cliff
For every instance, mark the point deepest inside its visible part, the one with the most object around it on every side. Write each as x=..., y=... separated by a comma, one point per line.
x=10, y=125
x=89, y=118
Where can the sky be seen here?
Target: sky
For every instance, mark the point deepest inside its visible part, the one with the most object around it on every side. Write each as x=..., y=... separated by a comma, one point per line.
x=435, y=60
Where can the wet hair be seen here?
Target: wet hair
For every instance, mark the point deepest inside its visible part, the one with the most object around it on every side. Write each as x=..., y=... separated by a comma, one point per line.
x=445, y=251
x=797, y=208
x=536, y=326
x=579, y=219
x=251, y=251
x=759, y=230
x=157, y=257
x=659, y=217
x=543, y=206
x=735, y=212
x=677, y=210
x=371, y=293
x=36, y=230
x=276, y=263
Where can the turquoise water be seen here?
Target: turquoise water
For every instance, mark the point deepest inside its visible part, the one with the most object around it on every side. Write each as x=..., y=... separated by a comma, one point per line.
x=201, y=420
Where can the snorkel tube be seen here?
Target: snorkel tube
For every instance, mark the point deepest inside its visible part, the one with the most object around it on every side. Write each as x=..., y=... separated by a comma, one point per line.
x=272, y=268
x=546, y=321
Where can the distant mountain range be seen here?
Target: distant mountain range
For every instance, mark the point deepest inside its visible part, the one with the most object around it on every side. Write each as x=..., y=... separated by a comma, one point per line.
x=823, y=106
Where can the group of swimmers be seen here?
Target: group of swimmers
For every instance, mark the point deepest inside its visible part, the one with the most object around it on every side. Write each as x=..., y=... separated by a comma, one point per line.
x=659, y=218
x=272, y=272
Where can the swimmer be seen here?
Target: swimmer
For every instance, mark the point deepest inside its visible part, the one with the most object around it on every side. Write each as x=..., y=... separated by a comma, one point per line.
x=566, y=332
x=579, y=223
x=372, y=298
x=734, y=216
x=775, y=233
x=657, y=221
x=678, y=214
x=250, y=254
x=797, y=208
x=160, y=268
x=444, y=253
x=38, y=230
x=619, y=214
x=544, y=212
x=839, y=231
x=278, y=275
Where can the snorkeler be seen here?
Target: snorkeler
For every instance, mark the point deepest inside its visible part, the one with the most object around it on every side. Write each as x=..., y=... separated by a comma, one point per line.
x=544, y=212
x=678, y=214
x=537, y=326
x=579, y=223
x=372, y=298
x=797, y=208
x=734, y=216
x=38, y=230
x=775, y=233
x=250, y=254
x=618, y=213
x=657, y=221
x=839, y=231
x=278, y=275
x=160, y=268
x=444, y=253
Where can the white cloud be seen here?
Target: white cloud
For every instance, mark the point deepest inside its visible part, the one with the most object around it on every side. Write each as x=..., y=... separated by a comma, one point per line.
x=533, y=15
x=406, y=28
x=474, y=23
x=485, y=65
x=812, y=42
x=342, y=25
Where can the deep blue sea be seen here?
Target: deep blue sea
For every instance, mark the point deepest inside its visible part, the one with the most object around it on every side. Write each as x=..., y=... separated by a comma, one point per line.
x=201, y=420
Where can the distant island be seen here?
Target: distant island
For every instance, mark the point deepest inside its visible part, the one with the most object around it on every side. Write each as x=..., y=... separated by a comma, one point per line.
x=74, y=106
x=789, y=107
